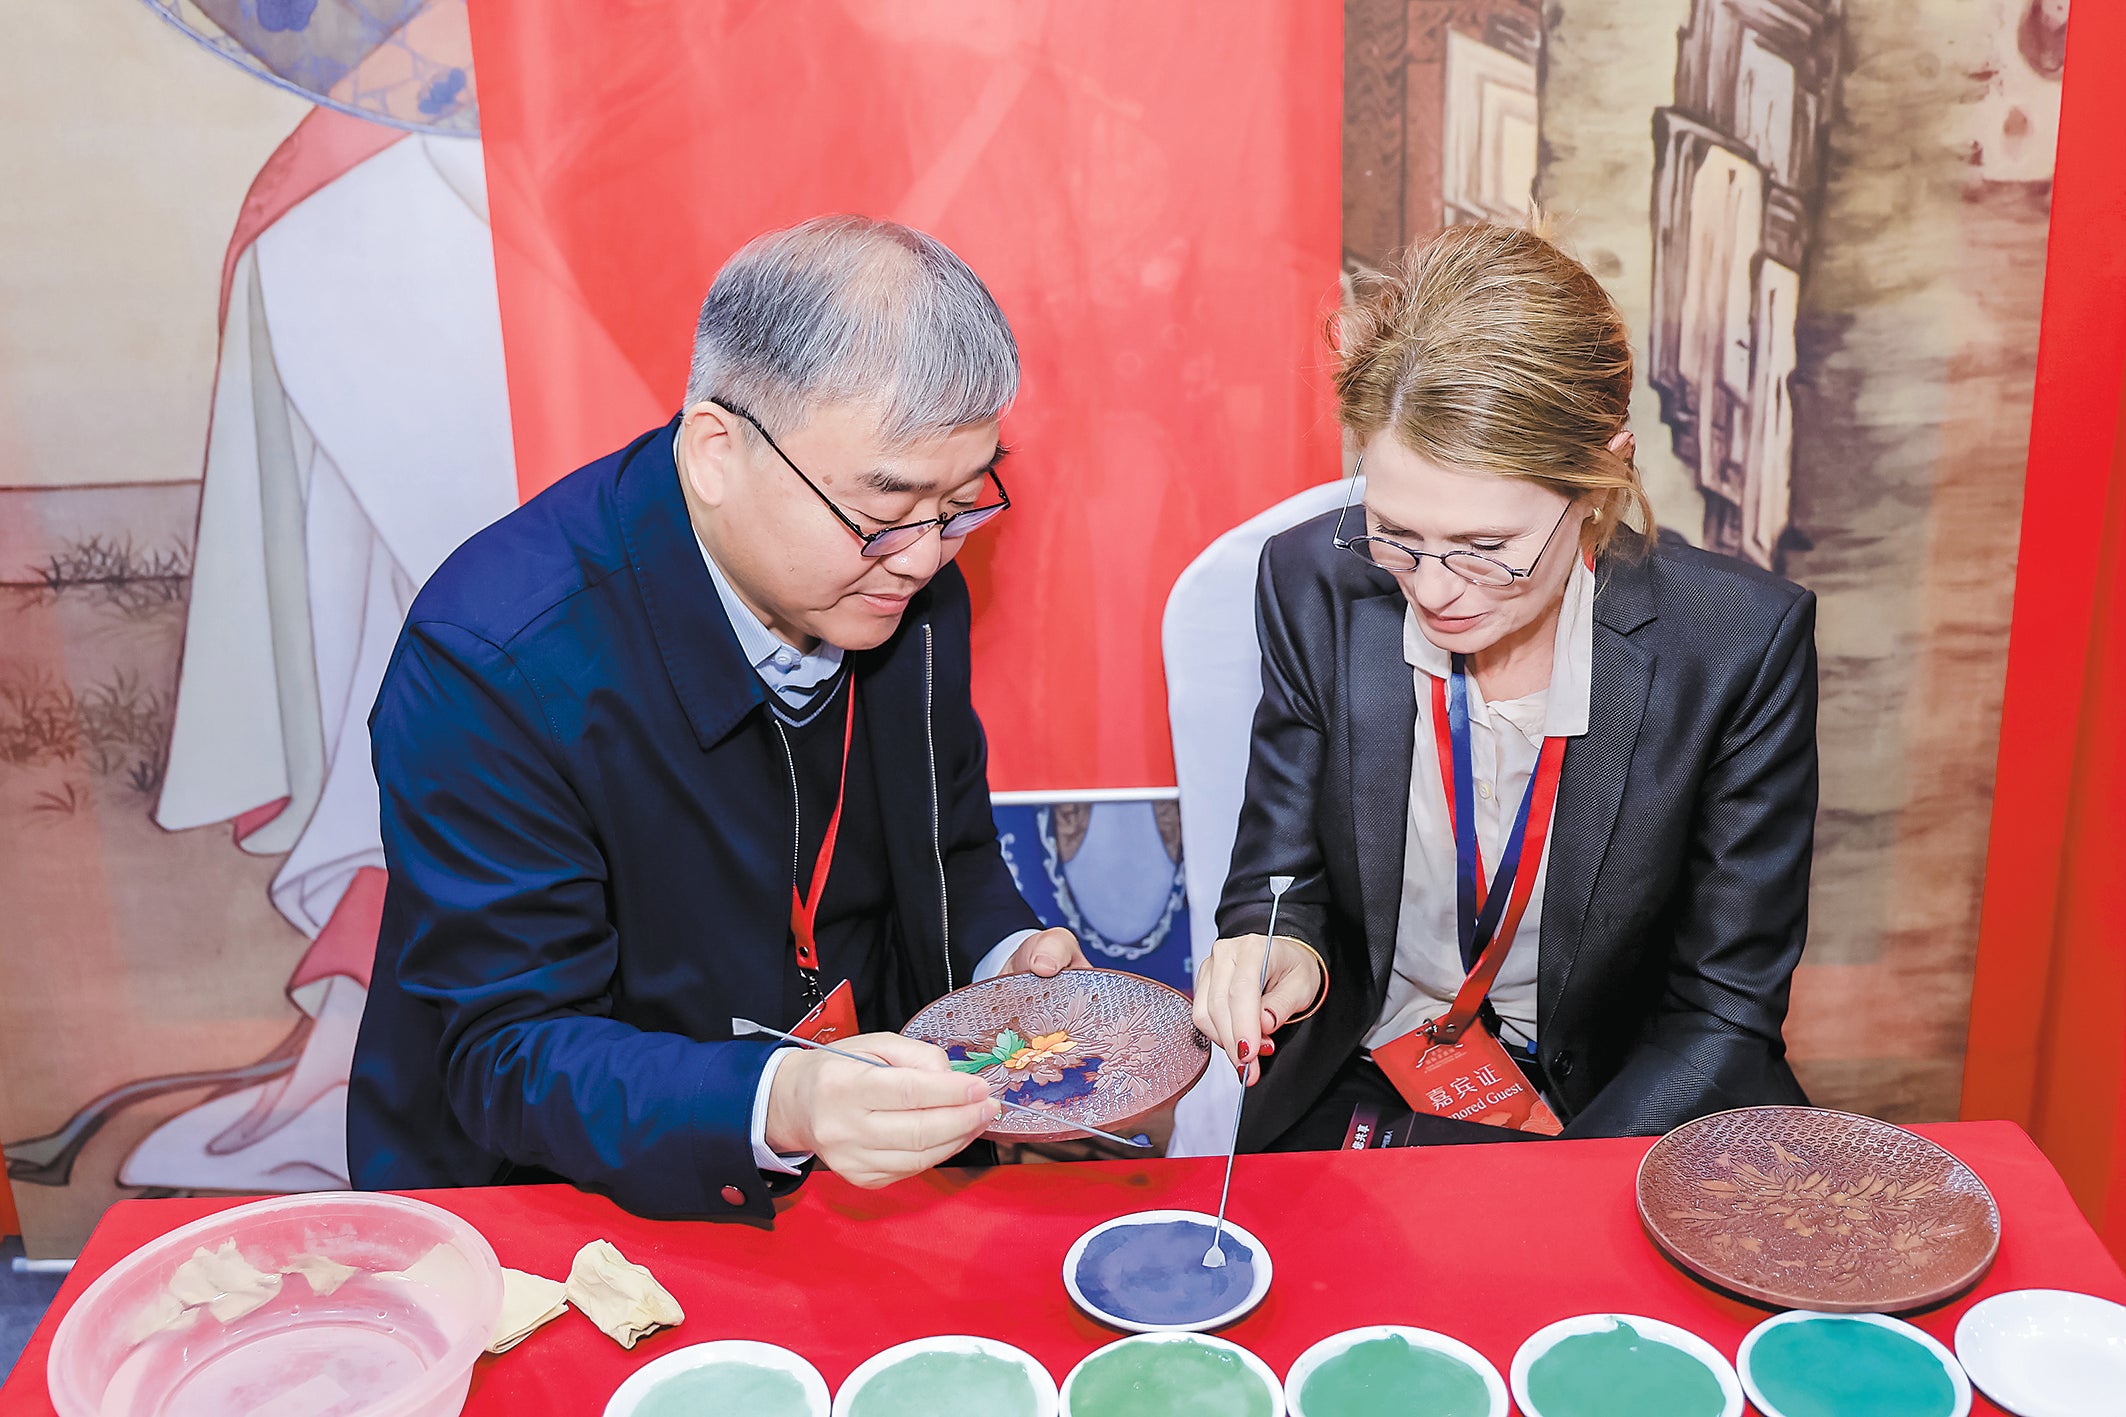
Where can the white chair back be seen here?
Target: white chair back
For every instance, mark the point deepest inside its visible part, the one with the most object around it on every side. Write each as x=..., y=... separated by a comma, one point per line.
x=1213, y=681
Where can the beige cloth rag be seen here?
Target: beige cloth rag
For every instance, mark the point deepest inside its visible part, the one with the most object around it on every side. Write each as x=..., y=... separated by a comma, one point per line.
x=225, y=1284
x=623, y=1299
x=529, y=1301
x=323, y=1275
x=229, y=1285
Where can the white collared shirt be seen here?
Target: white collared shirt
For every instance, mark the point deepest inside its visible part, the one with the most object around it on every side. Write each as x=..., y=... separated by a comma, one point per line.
x=1505, y=740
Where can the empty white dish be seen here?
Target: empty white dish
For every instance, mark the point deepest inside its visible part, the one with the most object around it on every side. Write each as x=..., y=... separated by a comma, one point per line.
x=2046, y=1352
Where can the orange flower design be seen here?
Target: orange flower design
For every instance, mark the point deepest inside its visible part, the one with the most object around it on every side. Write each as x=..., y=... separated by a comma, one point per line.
x=1039, y=1049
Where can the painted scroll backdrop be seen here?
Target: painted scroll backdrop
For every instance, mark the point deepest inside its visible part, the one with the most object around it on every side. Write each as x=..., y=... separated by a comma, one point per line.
x=1826, y=226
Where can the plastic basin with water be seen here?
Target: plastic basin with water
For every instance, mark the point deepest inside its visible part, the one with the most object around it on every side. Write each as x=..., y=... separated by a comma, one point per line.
x=376, y=1346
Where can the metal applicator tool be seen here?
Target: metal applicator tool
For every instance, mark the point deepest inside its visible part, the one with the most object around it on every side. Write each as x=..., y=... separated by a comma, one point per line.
x=1214, y=1257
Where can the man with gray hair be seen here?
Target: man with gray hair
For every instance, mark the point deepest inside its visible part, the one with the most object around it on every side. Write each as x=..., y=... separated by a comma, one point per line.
x=688, y=739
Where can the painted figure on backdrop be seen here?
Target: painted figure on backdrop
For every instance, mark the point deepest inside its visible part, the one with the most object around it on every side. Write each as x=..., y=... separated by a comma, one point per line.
x=1619, y=92
x=359, y=432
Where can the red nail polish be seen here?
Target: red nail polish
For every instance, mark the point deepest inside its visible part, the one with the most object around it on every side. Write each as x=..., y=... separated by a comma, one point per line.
x=1268, y=1047
x=1243, y=1050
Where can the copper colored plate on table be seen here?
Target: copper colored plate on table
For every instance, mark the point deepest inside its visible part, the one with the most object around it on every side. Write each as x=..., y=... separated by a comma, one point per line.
x=1089, y=1047
x=1807, y=1208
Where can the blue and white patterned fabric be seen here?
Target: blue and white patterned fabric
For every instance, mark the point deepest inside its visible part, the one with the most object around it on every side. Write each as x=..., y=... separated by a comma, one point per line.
x=405, y=63
x=1105, y=871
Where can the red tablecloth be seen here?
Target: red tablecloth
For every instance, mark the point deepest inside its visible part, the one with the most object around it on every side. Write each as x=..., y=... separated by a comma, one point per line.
x=1487, y=1243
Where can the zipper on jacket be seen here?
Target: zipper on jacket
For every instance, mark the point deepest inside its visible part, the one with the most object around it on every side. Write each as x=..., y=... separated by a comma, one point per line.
x=937, y=827
x=797, y=841
x=797, y=825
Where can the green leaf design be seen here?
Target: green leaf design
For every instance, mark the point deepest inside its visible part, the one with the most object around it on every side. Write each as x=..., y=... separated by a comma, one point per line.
x=1008, y=1043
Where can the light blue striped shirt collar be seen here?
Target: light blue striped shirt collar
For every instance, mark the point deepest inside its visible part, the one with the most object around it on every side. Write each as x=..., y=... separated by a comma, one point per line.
x=792, y=674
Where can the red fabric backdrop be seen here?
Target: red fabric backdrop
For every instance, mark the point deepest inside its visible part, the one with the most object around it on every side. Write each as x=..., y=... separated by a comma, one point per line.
x=1152, y=191
x=2048, y=1015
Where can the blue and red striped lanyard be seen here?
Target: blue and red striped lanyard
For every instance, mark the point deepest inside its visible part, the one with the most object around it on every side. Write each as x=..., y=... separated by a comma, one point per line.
x=1487, y=917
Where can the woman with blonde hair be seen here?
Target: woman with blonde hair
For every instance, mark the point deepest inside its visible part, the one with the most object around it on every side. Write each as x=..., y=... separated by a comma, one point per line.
x=1546, y=787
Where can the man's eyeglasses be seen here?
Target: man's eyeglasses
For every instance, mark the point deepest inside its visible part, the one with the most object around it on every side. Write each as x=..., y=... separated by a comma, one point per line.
x=952, y=526
x=1472, y=566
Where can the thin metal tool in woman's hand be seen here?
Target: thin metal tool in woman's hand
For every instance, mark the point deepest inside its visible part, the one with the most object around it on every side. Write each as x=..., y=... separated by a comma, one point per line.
x=1214, y=1257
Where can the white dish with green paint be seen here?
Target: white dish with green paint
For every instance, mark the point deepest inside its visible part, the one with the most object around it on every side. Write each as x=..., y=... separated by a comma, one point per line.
x=1172, y=1375
x=1622, y=1365
x=956, y=1375
x=729, y=1375
x=1805, y=1364
x=1411, y=1372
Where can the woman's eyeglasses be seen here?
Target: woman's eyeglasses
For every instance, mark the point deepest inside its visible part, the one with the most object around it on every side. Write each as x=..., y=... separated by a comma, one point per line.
x=1472, y=566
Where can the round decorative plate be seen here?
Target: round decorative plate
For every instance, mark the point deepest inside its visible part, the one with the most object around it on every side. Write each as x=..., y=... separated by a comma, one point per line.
x=1806, y=1208
x=1088, y=1047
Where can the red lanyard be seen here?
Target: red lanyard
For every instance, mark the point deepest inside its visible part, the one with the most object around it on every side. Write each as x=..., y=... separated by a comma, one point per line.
x=804, y=916
x=1472, y=891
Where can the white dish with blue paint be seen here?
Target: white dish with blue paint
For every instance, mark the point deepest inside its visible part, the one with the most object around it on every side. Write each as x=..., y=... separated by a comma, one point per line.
x=1137, y=1273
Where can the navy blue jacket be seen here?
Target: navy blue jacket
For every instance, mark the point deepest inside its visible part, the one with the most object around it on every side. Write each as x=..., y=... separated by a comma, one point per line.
x=588, y=835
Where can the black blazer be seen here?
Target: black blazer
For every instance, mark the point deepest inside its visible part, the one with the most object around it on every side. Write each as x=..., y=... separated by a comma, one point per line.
x=1677, y=896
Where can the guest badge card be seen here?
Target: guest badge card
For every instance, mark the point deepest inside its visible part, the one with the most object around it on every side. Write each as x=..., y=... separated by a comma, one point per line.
x=1470, y=1081
x=832, y=1018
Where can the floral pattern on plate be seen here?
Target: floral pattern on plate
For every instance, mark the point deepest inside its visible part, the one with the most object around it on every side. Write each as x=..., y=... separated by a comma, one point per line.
x=1089, y=1047
x=1808, y=1208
